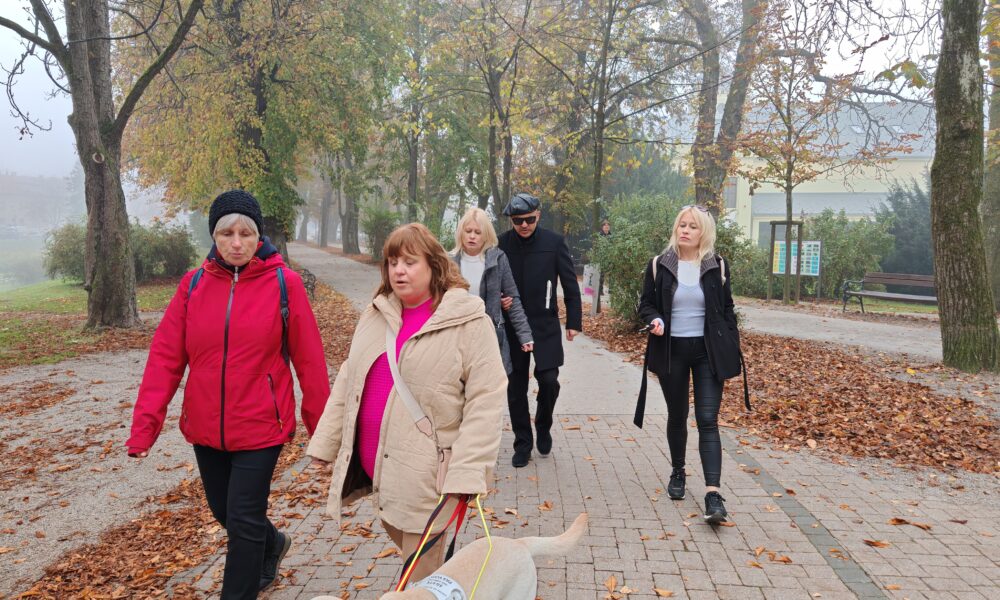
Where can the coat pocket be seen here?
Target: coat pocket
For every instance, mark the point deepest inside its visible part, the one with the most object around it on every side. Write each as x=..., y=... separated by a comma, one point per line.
x=444, y=459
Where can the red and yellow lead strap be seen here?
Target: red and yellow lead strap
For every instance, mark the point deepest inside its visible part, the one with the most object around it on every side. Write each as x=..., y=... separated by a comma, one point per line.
x=457, y=514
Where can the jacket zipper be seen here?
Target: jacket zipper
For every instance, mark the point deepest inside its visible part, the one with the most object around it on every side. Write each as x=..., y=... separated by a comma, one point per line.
x=274, y=399
x=225, y=355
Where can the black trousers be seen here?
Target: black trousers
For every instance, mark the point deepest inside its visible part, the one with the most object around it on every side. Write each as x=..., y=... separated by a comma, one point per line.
x=689, y=361
x=517, y=399
x=237, y=486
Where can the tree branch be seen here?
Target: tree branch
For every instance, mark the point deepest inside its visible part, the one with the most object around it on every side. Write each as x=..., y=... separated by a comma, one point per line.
x=128, y=105
x=28, y=35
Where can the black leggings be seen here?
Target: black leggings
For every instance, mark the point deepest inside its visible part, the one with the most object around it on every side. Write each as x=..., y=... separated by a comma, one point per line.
x=687, y=356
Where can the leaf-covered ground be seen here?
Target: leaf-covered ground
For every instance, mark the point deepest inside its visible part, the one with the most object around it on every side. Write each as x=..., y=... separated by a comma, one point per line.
x=806, y=394
x=177, y=531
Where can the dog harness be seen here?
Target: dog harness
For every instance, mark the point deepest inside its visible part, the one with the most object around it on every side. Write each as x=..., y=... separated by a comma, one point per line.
x=442, y=586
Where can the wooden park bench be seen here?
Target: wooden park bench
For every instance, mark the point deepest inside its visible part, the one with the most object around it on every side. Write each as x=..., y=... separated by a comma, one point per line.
x=921, y=281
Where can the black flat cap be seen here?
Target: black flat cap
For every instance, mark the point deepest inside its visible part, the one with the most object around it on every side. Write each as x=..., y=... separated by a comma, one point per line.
x=521, y=204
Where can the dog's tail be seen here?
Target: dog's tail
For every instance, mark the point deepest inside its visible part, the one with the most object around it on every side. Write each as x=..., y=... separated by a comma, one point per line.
x=559, y=545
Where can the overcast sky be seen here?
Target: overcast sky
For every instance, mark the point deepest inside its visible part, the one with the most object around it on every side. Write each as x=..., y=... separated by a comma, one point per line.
x=46, y=152
x=53, y=152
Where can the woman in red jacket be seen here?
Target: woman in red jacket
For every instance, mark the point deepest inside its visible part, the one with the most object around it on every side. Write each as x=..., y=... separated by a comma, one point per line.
x=236, y=324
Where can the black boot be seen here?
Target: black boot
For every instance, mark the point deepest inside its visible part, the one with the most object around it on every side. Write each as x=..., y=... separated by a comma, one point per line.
x=273, y=560
x=543, y=442
x=675, y=487
x=520, y=459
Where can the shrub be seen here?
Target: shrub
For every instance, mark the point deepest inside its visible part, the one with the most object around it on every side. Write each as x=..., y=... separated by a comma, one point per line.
x=640, y=228
x=64, y=248
x=850, y=248
x=908, y=210
x=747, y=261
x=377, y=222
x=161, y=251
x=158, y=251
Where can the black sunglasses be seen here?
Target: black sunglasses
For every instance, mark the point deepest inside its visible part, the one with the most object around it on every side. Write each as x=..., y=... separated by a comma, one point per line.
x=698, y=206
x=521, y=220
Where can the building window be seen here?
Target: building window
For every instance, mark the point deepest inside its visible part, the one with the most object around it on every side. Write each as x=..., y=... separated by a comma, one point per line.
x=729, y=193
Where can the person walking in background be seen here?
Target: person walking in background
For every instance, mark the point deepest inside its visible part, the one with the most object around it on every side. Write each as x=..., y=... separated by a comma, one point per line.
x=687, y=300
x=429, y=427
x=237, y=324
x=539, y=258
x=487, y=270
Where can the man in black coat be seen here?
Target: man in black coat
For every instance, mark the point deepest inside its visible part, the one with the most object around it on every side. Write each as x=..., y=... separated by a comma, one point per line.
x=538, y=257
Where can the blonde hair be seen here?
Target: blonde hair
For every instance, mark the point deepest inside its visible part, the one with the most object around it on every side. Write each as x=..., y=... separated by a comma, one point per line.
x=414, y=239
x=707, y=225
x=238, y=219
x=479, y=216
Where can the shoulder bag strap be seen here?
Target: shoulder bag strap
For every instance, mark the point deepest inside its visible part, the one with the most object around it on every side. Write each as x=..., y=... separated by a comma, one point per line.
x=419, y=418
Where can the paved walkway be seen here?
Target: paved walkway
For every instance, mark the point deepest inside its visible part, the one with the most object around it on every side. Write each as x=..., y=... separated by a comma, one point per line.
x=801, y=520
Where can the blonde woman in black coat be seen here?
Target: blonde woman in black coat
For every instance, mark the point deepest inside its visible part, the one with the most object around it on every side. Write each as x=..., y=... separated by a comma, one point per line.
x=687, y=301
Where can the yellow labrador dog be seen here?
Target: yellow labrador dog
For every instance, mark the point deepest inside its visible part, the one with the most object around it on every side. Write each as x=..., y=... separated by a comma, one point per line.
x=510, y=571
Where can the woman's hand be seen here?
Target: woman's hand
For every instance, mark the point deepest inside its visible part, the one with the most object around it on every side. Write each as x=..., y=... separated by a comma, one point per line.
x=527, y=347
x=318, y=463
x=656, y=327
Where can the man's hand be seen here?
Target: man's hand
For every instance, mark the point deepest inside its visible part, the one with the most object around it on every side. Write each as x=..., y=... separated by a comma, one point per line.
x=570, y=334
x=527, y=347
x=506, y=302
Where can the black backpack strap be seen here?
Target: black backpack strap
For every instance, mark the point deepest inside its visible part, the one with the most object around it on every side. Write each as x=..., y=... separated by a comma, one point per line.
x=284, y=315
x=194, y=280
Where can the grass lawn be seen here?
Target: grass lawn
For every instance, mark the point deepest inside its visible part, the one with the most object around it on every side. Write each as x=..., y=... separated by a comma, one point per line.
x=43, y=323
x=877, y=305
x=58, y=297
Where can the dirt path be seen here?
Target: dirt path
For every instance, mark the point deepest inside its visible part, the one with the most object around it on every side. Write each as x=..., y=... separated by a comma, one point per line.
x=66, y=476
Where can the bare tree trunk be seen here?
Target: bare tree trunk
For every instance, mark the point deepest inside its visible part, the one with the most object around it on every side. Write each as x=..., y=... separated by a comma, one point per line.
x=324, y=212
x=990, y=208
x=349, y=216
x=412, y=176
x=786, y=294
x=969, y=335
x=712, y=162
x=109, y=269
x=304, y=227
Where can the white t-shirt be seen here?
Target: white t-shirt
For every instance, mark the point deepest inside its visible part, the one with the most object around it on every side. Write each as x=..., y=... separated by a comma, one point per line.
x=472, y=269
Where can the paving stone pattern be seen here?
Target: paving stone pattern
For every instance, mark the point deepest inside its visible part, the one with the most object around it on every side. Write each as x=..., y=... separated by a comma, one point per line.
x=801, y=518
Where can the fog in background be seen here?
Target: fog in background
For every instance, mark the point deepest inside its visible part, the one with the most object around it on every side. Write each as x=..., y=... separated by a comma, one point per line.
x=41, y=183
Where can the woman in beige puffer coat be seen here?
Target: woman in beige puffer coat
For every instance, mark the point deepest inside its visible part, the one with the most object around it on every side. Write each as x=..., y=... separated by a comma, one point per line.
x=452, y=366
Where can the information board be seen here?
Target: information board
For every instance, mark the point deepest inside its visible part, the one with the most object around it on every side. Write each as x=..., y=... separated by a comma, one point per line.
x=810, y=258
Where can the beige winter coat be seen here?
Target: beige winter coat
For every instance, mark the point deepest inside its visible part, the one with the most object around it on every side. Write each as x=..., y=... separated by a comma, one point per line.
x=452, y=366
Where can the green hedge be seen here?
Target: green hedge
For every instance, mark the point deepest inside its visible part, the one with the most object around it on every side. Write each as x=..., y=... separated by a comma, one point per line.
x=158, y=251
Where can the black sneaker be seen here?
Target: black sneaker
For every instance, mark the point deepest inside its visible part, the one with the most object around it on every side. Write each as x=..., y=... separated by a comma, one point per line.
x=520, y=459
x=715, y=510
x=675, y=487
x=273, y=561
x=544, y=443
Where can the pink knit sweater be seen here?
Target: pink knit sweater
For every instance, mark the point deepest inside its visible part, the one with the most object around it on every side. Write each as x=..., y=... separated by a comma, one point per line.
x=378, y=386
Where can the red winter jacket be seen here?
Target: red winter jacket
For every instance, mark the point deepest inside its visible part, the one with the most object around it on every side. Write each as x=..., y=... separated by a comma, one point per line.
x=239, y=391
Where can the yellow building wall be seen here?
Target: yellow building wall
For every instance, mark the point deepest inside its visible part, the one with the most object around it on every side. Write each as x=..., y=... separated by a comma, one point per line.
x=861, y=181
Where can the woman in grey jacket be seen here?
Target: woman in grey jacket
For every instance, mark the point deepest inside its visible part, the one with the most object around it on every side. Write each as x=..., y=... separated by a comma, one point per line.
x=486, y=269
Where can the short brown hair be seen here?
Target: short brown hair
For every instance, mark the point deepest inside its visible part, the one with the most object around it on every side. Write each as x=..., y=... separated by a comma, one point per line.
x=414, y=239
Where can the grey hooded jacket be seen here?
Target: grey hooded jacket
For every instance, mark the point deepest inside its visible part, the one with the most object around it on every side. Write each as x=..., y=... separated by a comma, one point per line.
x=497, y=279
